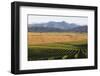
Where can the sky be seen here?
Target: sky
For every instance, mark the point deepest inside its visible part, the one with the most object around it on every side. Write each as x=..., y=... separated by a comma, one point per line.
x=32, y=19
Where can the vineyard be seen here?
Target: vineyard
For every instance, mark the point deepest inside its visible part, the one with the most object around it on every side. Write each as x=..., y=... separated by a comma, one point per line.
x=63, y=54
x=60, y=52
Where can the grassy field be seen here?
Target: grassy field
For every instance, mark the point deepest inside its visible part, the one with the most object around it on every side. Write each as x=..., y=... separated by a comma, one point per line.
x=50, y=46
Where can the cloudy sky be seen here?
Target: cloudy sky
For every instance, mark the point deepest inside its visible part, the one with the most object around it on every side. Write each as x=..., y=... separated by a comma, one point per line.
x=32, y=19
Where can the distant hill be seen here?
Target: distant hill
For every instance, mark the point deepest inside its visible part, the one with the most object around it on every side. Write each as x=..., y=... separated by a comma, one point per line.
x=56, y=27
x=44, y=29
x=79, y=29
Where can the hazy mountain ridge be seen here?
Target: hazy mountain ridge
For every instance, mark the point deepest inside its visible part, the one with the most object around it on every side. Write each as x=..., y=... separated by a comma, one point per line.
x=53, y=26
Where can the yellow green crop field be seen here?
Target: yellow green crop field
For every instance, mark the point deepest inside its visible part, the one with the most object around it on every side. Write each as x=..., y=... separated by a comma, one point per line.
x=57, y=45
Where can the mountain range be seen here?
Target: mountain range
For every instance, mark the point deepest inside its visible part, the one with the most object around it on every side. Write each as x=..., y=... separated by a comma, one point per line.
x=53, y=26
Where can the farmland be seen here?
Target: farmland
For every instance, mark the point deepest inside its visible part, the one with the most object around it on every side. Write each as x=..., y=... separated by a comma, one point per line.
x=54, y=45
